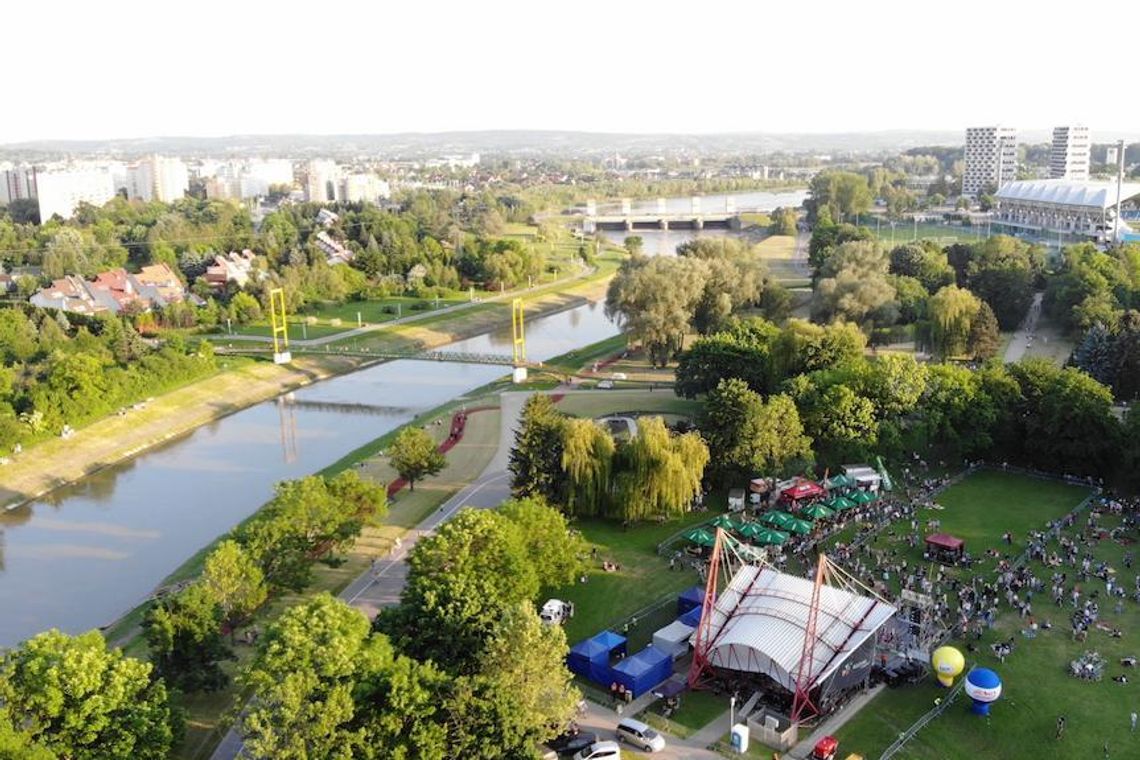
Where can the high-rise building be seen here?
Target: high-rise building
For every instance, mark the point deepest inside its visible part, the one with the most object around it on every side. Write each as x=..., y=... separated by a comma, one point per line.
x=17, y=183
x=322, y=181
x=1069, y=158
x=60, y=192
x=991, y=158
x=363, y=187
x=158, y=178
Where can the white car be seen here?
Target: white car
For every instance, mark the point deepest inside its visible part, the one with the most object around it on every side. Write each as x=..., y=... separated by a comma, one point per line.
x=600, y=751
x=638, y=734
x=605, y=385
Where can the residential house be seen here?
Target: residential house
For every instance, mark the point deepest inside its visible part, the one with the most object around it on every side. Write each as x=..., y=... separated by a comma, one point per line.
x=335, y=253
x=230, y=267
x=114, y=292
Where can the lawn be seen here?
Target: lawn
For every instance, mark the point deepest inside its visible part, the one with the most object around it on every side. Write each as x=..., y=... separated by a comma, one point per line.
x=609, y=598
x=778, y=252
x=1037, y=687
x=599, y=403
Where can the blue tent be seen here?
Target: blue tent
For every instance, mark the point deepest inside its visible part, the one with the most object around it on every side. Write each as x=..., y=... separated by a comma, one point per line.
x=591, y=658
x=644, y=670
x=690, y=598
x=692, y=617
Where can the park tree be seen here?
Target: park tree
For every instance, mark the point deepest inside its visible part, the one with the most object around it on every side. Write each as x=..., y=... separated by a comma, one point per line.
x=1127, y=345
x=826, y=239
x=658, y=473
x=183, y=633
x=461, y=581
x=747, y=436
x=634, y=244
x=742, y=350
x=1063, y=415
x=244, y=308
x=895, y=383
x=911, y=297
x=804, y=346
x=842, y=423
x=414, y=455
x=924, y=261
x=536, y=457
x=553, y=549
x=783, y=222
x=985, y=334
x=520, y=695
x=235, y=583
x=587, y=459
x=654, y=300
x=845, y=194
x=952, y=313
x=81, y=700
x=854, y=286
x=303, y=680
x=1002, y=272
x=16, y=743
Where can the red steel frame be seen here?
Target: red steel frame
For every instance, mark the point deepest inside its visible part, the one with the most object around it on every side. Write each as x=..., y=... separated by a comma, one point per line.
x=802, y=706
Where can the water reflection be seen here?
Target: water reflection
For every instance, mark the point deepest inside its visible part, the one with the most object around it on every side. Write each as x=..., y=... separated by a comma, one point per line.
x=84, y=555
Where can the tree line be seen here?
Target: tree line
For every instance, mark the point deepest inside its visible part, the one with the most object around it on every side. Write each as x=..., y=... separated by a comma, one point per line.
x=61, y=370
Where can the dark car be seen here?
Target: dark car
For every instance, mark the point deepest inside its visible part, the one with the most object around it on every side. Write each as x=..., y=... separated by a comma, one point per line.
x=571, y=742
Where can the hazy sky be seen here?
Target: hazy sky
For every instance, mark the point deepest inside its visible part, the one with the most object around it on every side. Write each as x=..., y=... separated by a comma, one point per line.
x=131, y=69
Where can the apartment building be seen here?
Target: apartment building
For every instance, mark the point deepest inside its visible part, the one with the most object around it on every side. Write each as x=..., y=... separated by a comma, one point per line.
x=990, y=158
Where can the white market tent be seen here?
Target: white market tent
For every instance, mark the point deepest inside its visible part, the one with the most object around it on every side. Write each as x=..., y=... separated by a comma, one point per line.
x=759, y=623
x=673, y=638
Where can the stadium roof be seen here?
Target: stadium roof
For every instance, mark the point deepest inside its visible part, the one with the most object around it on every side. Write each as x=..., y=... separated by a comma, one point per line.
x=1065, y=192
x=759, y=623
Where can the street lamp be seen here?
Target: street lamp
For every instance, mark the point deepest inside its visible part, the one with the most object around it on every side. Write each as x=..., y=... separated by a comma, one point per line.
x=731, y=712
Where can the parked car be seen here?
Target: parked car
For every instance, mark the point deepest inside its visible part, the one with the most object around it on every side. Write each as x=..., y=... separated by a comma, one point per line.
x=605, y=385
x=600, y=751
x=637, y=734
x=570, y=742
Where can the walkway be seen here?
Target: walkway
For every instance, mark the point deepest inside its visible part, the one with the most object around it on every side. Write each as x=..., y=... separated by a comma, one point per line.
x=1023, y=338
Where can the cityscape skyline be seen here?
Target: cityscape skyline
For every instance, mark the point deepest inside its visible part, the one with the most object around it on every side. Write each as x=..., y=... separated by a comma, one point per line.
x=427, y=71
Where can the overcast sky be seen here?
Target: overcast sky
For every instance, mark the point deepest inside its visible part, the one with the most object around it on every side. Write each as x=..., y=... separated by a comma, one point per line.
x=207, y=68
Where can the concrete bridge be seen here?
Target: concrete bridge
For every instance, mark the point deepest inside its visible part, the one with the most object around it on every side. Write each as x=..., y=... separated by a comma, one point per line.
x=662, y=218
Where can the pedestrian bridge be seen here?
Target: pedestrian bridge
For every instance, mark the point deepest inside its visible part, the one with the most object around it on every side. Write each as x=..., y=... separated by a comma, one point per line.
x=458, y=357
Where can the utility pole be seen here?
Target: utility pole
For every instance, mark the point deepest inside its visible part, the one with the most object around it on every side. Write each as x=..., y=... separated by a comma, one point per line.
x=1119, y=189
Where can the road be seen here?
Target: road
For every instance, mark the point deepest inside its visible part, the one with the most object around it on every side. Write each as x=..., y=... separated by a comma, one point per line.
x=1023, y=338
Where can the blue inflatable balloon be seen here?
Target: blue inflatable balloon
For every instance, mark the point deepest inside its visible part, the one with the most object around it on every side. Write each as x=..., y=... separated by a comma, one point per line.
x=983, y=686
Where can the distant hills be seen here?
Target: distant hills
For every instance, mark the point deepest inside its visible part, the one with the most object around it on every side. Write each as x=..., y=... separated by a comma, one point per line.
x=510, y=142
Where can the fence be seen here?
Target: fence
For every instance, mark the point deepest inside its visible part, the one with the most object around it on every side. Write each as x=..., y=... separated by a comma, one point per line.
x=922, y=722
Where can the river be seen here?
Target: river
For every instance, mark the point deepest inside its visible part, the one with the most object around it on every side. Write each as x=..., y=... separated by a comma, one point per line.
x=90, y=552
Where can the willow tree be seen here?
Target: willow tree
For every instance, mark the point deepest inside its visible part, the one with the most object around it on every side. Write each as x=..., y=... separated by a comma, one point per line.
x=952, y=312
x=587, y=460
x=659, y=473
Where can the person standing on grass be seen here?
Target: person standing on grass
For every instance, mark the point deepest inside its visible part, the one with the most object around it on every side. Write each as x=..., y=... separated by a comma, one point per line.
x=1060, y=727
x=1132, y=722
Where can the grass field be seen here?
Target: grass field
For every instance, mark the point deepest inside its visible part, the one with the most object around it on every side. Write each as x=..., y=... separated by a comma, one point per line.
x=944, y=234
x=371, y=312
x=778, y=252
x=612, y=402
x=1037, y=687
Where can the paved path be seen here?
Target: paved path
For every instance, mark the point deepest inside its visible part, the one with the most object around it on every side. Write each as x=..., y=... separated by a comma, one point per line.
x=1022, y=339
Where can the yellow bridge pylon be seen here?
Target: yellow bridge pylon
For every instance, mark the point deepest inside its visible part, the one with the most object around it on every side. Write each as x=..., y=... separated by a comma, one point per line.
x=280, y=326
x=518, y=340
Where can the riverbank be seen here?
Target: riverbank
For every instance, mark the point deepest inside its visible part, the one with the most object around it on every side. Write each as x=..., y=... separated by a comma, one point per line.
x=55, y=463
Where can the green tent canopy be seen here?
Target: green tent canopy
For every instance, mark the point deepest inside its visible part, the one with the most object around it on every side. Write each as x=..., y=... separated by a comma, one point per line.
x=767, y=537
x=723, y=521
x=817, y=512
x=750, y=529
x=839, y=481
x=797, y=526
x=700, y=537
x=840, y=503
x=862, y=497
x=778, y=519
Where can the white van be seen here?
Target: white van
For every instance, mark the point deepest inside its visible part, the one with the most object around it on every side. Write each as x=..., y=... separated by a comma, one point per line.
x=638, y=734
x=600, y=751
